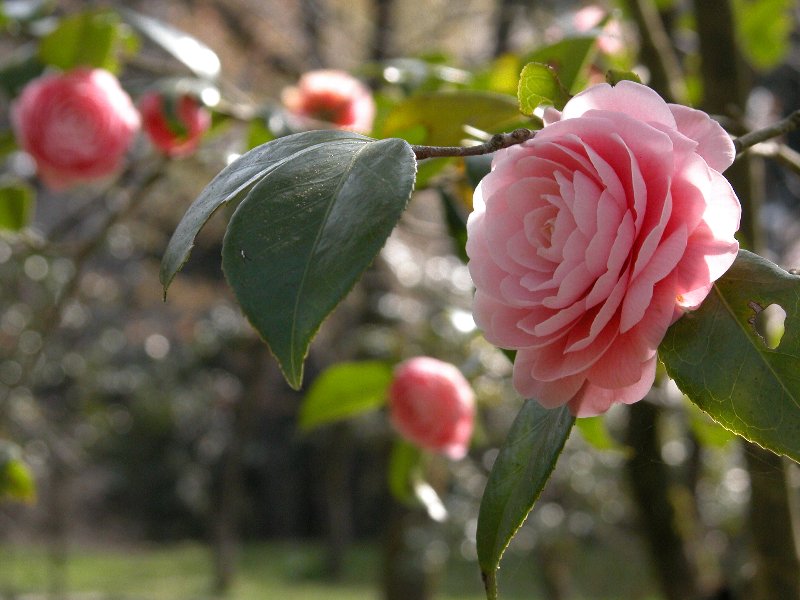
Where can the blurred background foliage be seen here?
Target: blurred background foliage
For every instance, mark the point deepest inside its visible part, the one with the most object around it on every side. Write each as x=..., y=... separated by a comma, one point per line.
x=152, y=450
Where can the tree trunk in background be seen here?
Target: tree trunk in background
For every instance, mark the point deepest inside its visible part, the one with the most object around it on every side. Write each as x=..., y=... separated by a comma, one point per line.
x=649, y=478
x=382, y=33
x=656, y=51
x=725, y=89
x=404, y=573
x=504, y=17
x=648, y=474
x=57, y=528
x=778, y=571
x=313, y=15
x=725, y=85
x=337, y=456
x=249, y=363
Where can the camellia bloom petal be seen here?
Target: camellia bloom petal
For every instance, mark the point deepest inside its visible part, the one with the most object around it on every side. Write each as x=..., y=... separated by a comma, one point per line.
x=588, y=241
x=333, y=97
x=77, y=126
x=433, y=405
x=176, y=130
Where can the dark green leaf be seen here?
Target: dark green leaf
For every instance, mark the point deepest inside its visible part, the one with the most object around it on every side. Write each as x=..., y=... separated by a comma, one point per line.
x=308, y=229
x=90, y=39
x=539, y=84
x=569, y=57
x=518, y=476
x=233, y=183
x=439, y=118
x=18, y=68
x=345, y=390
x=195, y=55
x=16, y=206
x=724, y=366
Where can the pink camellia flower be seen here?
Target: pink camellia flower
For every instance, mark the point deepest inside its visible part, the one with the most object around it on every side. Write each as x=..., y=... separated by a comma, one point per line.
x=433, y=405
x=590, y=239
x=175, y=130
x=333, y=97
x=77, y=126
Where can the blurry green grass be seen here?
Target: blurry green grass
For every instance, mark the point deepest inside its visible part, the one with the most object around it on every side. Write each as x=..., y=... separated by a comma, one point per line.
x=288, y=571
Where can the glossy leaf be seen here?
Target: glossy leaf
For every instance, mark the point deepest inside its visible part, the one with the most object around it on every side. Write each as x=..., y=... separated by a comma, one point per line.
x=232, y=184
x=569, y=57
x=90, y=39
x=518, y=476
x=195, y=55
x=308, y=229
x=16, y=206
x=539, y=84
x=725, y=367
x=345, y=390
x=439, y=118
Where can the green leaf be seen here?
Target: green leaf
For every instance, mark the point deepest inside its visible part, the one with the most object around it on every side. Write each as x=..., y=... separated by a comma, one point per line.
x=404, y=466
x=570, y=58
x=407, y=484
x=233, y=183
x=307, y=230
x=16, y=480
x=539, y=84
x=90, y=39
x=518, y=476
x=614, y=76
x=343, y=391
x=195, y=55
x=723, y=365
x=595, y=432
x=763, y=28
x=16, y=206
x=439, y=118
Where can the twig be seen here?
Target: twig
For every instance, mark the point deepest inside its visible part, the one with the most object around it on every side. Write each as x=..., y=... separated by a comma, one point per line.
x=496, y=142
x=780, y=153
x=786, y=125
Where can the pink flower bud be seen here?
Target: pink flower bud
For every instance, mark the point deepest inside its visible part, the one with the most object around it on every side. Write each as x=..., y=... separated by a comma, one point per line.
x=174, y=125
x=432, y=405
x=333, y=97
x=77, y=126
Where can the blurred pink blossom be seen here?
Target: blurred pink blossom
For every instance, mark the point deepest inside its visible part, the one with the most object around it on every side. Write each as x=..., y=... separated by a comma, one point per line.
x=77, y=125
x=333, y=97
x=433, y=405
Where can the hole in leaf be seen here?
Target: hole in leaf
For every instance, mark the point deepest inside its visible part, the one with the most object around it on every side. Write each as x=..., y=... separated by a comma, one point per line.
x=769, y=324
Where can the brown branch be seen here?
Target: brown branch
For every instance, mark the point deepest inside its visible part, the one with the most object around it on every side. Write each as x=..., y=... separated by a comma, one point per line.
x=496, y=142
x=786, y=125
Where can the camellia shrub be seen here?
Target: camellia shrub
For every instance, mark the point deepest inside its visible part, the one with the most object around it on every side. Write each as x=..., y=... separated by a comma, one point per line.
x=600, y=240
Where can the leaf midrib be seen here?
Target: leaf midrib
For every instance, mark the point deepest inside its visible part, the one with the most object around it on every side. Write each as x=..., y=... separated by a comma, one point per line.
x=301, y=286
